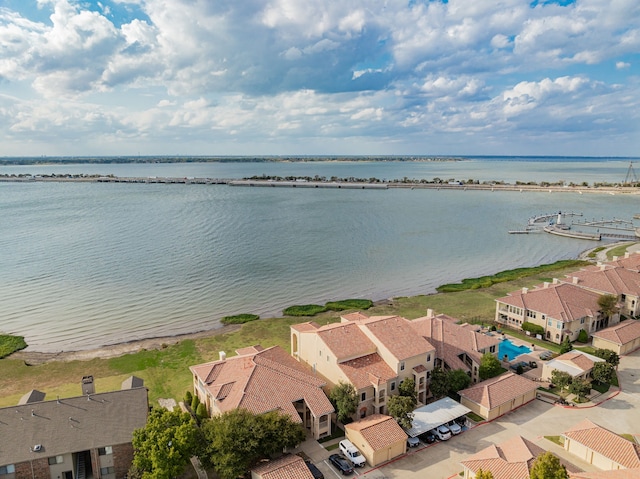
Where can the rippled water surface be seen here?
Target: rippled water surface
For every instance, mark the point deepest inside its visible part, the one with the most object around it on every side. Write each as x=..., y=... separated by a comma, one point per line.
x=88, y=264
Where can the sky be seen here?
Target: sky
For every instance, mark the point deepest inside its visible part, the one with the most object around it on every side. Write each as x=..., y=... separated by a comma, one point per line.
x=319, y=77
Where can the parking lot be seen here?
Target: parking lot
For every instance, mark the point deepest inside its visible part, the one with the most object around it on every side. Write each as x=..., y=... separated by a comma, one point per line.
x=620, y=413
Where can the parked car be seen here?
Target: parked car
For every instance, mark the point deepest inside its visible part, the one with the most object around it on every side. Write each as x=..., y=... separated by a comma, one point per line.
x=462, y=420
x=413, y=442
x=428, y=437
x=317, y=474
x=454, y=427
x=351, y=452
x=442, y=432
x=341, y=464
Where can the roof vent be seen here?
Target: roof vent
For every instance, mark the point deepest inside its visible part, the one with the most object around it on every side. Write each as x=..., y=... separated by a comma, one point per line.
x=37, y=448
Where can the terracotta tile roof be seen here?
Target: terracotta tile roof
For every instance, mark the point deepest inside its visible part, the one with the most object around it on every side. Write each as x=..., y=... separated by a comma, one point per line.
x=631, y=261
x=621, y=333
x=606, y=443
x=288, y=466
x=581, y=360
x=303, y=327
x=563, y=301
x=511, y=459
x=378, y=430
x=397, y=336
x=265, y=380
x=345, y=340
x=499, y=390
x=420, y=368
x=354, y=316
x=366, y=370
x=609, y=280
x=615, y=474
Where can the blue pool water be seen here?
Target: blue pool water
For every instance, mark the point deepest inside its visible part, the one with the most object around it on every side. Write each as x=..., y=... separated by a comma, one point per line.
x=511, y=350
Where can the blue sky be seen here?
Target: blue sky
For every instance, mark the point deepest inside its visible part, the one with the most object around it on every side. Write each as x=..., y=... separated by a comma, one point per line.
x=319, y=77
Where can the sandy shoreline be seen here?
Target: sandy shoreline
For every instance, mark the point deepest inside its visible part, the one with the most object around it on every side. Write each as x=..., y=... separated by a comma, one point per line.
x=120, y=349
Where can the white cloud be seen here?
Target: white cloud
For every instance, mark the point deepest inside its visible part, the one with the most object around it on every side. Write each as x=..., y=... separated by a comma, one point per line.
x=622, y=65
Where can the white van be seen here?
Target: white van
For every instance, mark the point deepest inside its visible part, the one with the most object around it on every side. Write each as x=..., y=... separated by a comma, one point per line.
x=351, y=452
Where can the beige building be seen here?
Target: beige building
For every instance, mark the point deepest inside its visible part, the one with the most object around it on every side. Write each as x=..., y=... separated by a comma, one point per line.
x=458, y=346
x=561, y=309
x=622, y=338
x=262, y=380
x=511, y=459
x=374, y=354
x=379, y=438
x=87, y=436
x=577, y=363
x=288, y=466
x=497, y=396
x=601, y=447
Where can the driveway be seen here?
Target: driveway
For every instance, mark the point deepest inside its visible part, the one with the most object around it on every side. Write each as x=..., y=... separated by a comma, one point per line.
x=620, y=414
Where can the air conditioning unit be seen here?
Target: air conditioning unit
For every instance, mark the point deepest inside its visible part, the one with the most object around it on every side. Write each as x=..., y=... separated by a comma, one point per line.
x=37, y=448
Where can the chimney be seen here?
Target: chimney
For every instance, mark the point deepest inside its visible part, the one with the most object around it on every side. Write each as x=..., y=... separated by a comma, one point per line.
x=616, y=258
x=627, y=254
x=575, y=280
x=603, y=267
x=87, y=385
x=429, y=313
x=545, y=284
x=223, y=356
x=525, y=290
x=555, y=280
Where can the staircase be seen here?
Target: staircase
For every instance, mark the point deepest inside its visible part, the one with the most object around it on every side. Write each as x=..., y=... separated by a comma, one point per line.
x=80, y=467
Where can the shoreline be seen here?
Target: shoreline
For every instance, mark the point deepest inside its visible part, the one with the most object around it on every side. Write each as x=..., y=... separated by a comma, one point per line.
x=32, y=358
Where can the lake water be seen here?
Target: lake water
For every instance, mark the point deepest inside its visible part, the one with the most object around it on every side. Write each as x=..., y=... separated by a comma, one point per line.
x=90, y=264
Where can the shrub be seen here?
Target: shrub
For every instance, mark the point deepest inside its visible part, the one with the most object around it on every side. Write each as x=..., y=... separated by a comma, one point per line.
x=10, y=344
x=532, y=328
x=188, y=397
x=304, y=310
x=348, y=304
x=239, y=318
x=195, y=402
x=583, y=337
x=201, y=411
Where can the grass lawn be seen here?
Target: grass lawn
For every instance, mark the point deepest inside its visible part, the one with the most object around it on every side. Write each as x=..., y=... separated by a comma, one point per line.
x=166, y=371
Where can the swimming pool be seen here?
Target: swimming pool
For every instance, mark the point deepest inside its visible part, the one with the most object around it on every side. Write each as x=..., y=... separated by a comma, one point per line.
x=511, y=350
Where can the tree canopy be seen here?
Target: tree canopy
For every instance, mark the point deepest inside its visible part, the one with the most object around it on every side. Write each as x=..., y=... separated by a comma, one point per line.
x=165, y=445
x=565, y=346
x=560, y=378
x=489, y=366
x=401, y=409
x=483, y=474
x=548, y=466
x=458, y=380
x=608, y=305
x=608, y=355
x=603, y=372
x=238, y=439
x=439, y=385
x=407, y=388
x=345, y=399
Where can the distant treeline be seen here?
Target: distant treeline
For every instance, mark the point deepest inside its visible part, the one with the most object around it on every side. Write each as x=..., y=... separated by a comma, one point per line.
x=75, y=160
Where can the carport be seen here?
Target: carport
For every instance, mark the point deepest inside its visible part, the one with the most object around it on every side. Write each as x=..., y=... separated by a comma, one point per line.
x=435, y=414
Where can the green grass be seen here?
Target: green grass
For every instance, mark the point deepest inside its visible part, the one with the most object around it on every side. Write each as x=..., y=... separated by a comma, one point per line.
x=10, y=344
x=600, y=387
x=166, y=371
x=239, y=318
x=475, y=417
x=304, y=310
x=556, y=439
x=348, y=304
x=594, y=252
x=618, y=250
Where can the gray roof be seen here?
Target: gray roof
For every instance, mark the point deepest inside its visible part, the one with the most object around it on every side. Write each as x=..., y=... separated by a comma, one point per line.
x=71, y=424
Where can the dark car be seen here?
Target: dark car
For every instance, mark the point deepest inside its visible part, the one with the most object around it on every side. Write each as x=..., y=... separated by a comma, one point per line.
x=314, y=470
x=428, y=437
x=341, y=464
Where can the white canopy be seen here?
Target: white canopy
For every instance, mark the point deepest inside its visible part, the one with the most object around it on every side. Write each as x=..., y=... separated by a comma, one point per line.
x=435, y=414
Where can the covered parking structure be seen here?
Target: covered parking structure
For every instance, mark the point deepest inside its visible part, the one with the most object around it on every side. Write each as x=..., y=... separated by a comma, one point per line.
x=436, y=414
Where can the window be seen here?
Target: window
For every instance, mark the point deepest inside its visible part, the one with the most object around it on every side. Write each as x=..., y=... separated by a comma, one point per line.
x=401, y=365
x=428, y=374
x=492, y=349
x=549, y=323
x=582, y=321
x=393, y=385
x=8, y=469
x=544, y=316
x=107, y=470
x=103, y=451
x=429, y=357
x=56, y=460
x=558, y=325
x=363, y=396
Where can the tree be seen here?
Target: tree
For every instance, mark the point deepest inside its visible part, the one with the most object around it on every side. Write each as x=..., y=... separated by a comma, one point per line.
x=609, y=356
x=401, y=409
x=489, y=366
x=566, y=345
x=407, y=388
x=580, y=387
x=583, y=337
x=165, y=445
x=201, y=412
x=608, y=305
x=548, y=466
x=345, y=399
x=458, y=380
x=483, y=474
x=560, y=378
x=603, y=372
x=439, y=385
x=238, y=439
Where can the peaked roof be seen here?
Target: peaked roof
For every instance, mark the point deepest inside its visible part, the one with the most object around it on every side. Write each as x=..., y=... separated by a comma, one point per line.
x=262, y=380
x=630, y=261
x=621, y=333
x=395, y=334
x=606, y=443
x=511, y=459
x=608, y=279
x=345, y=340
x=288, y=466
x=562, y=301
x=573, y=362
x=499, y=390
x=367, y=370
x=615, y=474
x=378, y=430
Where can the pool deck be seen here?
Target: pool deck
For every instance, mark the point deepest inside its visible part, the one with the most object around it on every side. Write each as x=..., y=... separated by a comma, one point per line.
x=535, y=374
